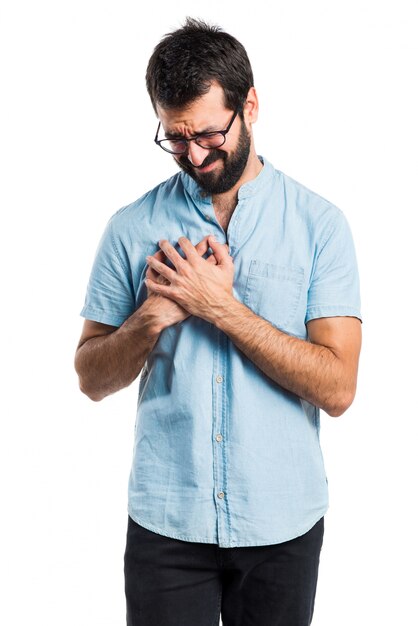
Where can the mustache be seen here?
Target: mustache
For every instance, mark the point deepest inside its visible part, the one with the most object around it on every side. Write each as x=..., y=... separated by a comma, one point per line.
x=213, y=156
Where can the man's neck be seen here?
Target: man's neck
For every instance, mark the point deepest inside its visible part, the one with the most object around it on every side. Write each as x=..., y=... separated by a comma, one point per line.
x=225, y=203
x=224, y=209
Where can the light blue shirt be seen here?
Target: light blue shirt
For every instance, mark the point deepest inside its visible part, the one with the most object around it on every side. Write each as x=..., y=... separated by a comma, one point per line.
x=222, y=453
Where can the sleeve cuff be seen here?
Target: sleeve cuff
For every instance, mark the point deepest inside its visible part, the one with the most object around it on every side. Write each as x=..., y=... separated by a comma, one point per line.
x=326, y=310
x=104, y=317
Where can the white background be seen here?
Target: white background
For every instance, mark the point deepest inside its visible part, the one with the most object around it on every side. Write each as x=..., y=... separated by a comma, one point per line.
x=338, y=112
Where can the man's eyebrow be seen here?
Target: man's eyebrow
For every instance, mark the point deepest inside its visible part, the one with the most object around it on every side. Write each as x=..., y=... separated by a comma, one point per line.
x=169, y=135
x=209, y=129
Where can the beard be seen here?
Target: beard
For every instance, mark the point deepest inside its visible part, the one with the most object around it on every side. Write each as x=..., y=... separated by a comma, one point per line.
x=234, y=164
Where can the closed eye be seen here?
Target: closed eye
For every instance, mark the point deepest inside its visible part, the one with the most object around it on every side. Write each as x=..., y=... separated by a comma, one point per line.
x=207, y=135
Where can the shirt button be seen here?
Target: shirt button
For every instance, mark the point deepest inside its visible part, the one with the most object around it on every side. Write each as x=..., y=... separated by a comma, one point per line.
x=208, y=217
x=218, y=437
x=221, y=495
x=219, y=379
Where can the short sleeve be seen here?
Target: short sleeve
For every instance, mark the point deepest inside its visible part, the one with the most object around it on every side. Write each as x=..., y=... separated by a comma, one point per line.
x=334, y=289
x=109, y=297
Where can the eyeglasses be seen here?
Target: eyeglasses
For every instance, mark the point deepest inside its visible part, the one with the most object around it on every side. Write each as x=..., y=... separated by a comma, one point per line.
x=180, y=145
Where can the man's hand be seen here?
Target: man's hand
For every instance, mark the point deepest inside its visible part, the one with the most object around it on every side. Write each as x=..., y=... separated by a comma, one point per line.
x=200, y=287
x=169, y=311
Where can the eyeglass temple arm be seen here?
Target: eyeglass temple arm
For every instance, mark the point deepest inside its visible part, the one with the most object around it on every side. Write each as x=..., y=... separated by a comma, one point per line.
x=156, y=134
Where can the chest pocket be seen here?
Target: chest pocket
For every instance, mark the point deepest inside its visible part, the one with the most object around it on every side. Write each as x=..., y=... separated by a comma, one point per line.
x=274, y=291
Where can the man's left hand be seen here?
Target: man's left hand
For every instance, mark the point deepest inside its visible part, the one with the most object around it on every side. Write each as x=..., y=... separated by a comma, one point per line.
x=202, y=288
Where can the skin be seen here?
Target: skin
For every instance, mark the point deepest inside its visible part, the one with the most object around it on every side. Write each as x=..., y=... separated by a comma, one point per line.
x=209, y=113
x=109, y=358
x=322, y=370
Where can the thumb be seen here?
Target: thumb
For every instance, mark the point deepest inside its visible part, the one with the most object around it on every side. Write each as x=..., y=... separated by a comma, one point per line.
x=219, y=250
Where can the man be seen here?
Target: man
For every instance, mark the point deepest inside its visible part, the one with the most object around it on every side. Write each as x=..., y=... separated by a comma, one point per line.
x=240, y=341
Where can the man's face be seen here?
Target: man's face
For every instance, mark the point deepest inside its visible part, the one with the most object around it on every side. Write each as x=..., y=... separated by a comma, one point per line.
x=219, y=169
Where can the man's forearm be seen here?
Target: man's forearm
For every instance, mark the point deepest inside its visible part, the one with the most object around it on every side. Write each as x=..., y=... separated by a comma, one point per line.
x=310, y=371
x=111, y=362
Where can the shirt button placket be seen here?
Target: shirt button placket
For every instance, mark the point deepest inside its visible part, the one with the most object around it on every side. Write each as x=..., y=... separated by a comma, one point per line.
x=219, y=438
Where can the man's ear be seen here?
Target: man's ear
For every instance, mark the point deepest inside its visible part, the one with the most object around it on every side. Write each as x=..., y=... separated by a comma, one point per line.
x=251, y=106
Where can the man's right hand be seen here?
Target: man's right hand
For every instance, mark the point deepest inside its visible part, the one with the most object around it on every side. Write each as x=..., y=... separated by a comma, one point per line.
x=109, y=358
x=168, y=311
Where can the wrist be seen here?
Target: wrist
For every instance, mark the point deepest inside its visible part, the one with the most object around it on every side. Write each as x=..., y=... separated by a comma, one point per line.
x=145, y=321
x=225, y=310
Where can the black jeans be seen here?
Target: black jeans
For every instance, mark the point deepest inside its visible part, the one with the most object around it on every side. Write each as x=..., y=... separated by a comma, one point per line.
x=169, y=582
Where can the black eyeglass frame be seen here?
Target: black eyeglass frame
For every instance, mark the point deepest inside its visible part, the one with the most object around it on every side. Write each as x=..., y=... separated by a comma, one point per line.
x=196, y=137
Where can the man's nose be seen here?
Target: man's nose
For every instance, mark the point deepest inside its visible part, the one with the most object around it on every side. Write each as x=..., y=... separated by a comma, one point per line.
x=196, y=154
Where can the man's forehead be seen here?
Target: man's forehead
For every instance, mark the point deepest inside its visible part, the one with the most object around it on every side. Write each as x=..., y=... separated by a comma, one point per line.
x=204, y=114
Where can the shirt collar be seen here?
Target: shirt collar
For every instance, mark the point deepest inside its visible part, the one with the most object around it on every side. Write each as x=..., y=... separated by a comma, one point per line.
x=248, y=189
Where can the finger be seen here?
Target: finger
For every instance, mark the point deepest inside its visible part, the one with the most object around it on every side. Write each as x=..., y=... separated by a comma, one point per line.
x=155, y=276
x=219, y=250
x=155, y=287
x=161, y=268
x=158, y=278
x=171, y=253
x=160, y=256
x=188, y=249
x=150, y=273
x=202, y=246
x=159, y=289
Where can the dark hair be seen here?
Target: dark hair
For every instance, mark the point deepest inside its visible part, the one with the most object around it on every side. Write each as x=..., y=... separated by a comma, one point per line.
x=186, y=62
